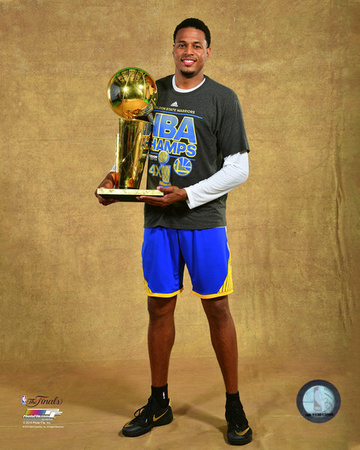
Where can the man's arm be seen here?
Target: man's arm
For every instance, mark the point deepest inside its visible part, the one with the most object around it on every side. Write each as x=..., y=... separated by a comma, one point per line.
x=234, y=172
x=172, y=194
x=107, y=183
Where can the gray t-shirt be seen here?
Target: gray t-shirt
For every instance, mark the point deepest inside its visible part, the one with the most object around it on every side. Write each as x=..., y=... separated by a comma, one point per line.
x=192, y=134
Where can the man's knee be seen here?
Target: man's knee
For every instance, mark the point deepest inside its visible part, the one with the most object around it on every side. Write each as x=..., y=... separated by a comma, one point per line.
x=217, y=309
x=161, y=308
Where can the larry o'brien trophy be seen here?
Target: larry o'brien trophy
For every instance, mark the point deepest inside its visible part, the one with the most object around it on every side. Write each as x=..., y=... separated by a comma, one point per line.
x=132, y=93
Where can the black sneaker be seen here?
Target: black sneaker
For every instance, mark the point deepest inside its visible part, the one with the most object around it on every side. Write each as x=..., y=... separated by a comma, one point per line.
x=147, y=417
x=239, y=432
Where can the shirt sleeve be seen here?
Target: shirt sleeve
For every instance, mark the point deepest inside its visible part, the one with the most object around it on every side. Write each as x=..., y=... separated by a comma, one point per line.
x=230, y=128
x=234, y=172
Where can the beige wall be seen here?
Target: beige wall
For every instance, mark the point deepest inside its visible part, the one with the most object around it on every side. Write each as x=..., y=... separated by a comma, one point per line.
x=71, y=269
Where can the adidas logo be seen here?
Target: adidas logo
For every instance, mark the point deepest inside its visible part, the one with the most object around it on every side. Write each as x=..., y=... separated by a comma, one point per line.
x=174, y=104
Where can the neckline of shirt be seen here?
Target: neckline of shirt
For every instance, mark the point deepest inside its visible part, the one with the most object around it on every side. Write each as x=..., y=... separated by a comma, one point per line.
x=185, y=91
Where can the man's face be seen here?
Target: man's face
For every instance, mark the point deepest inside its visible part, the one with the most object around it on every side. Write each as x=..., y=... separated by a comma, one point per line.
x=190, y=52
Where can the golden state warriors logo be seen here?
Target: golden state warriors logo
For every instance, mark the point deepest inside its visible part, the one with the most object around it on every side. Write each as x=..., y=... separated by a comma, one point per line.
x=183, y=166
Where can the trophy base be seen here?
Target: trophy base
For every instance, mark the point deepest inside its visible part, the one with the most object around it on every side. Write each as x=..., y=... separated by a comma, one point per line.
x=128, y=195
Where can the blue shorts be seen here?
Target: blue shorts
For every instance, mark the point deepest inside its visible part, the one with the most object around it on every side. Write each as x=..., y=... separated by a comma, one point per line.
x=206, y=254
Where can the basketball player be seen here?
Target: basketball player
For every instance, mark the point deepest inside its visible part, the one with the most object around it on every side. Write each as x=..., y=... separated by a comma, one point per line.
x=199, y=153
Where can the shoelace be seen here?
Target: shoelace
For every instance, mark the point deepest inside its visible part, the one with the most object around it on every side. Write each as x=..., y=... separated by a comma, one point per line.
x=143, y=412
x=237, y=416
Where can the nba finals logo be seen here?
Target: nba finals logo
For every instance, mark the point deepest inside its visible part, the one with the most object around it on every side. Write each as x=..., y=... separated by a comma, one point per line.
x=40, y=411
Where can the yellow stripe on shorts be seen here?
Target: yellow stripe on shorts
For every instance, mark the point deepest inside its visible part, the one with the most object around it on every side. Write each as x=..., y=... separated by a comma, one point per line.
x=154, y=294
x=227, y=287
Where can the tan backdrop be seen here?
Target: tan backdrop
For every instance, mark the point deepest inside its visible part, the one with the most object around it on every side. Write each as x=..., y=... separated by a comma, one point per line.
x=71, y=269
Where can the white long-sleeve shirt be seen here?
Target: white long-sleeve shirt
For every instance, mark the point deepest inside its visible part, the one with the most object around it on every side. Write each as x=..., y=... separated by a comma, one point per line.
x=234, y=172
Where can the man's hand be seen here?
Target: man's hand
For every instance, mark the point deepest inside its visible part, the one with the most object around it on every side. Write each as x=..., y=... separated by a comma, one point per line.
x=172, y=194
x=107, y=183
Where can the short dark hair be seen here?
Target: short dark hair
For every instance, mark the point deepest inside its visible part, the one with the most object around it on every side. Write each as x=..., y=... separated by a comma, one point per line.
x=194, y=23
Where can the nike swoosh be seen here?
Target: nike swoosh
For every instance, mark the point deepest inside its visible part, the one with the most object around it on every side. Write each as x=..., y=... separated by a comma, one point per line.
x=157, y=418
x=242, y=432
x=127, y=425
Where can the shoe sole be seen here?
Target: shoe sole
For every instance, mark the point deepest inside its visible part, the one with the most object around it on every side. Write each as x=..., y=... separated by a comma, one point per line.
x=241, y=440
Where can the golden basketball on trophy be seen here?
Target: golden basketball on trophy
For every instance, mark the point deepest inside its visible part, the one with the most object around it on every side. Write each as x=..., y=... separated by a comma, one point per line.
x=132, y=95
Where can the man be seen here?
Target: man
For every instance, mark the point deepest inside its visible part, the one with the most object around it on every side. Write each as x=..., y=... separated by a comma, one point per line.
x=199, y=153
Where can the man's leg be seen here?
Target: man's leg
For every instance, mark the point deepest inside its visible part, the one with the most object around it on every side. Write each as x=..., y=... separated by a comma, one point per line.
x=161, y=336
x=223, y=338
